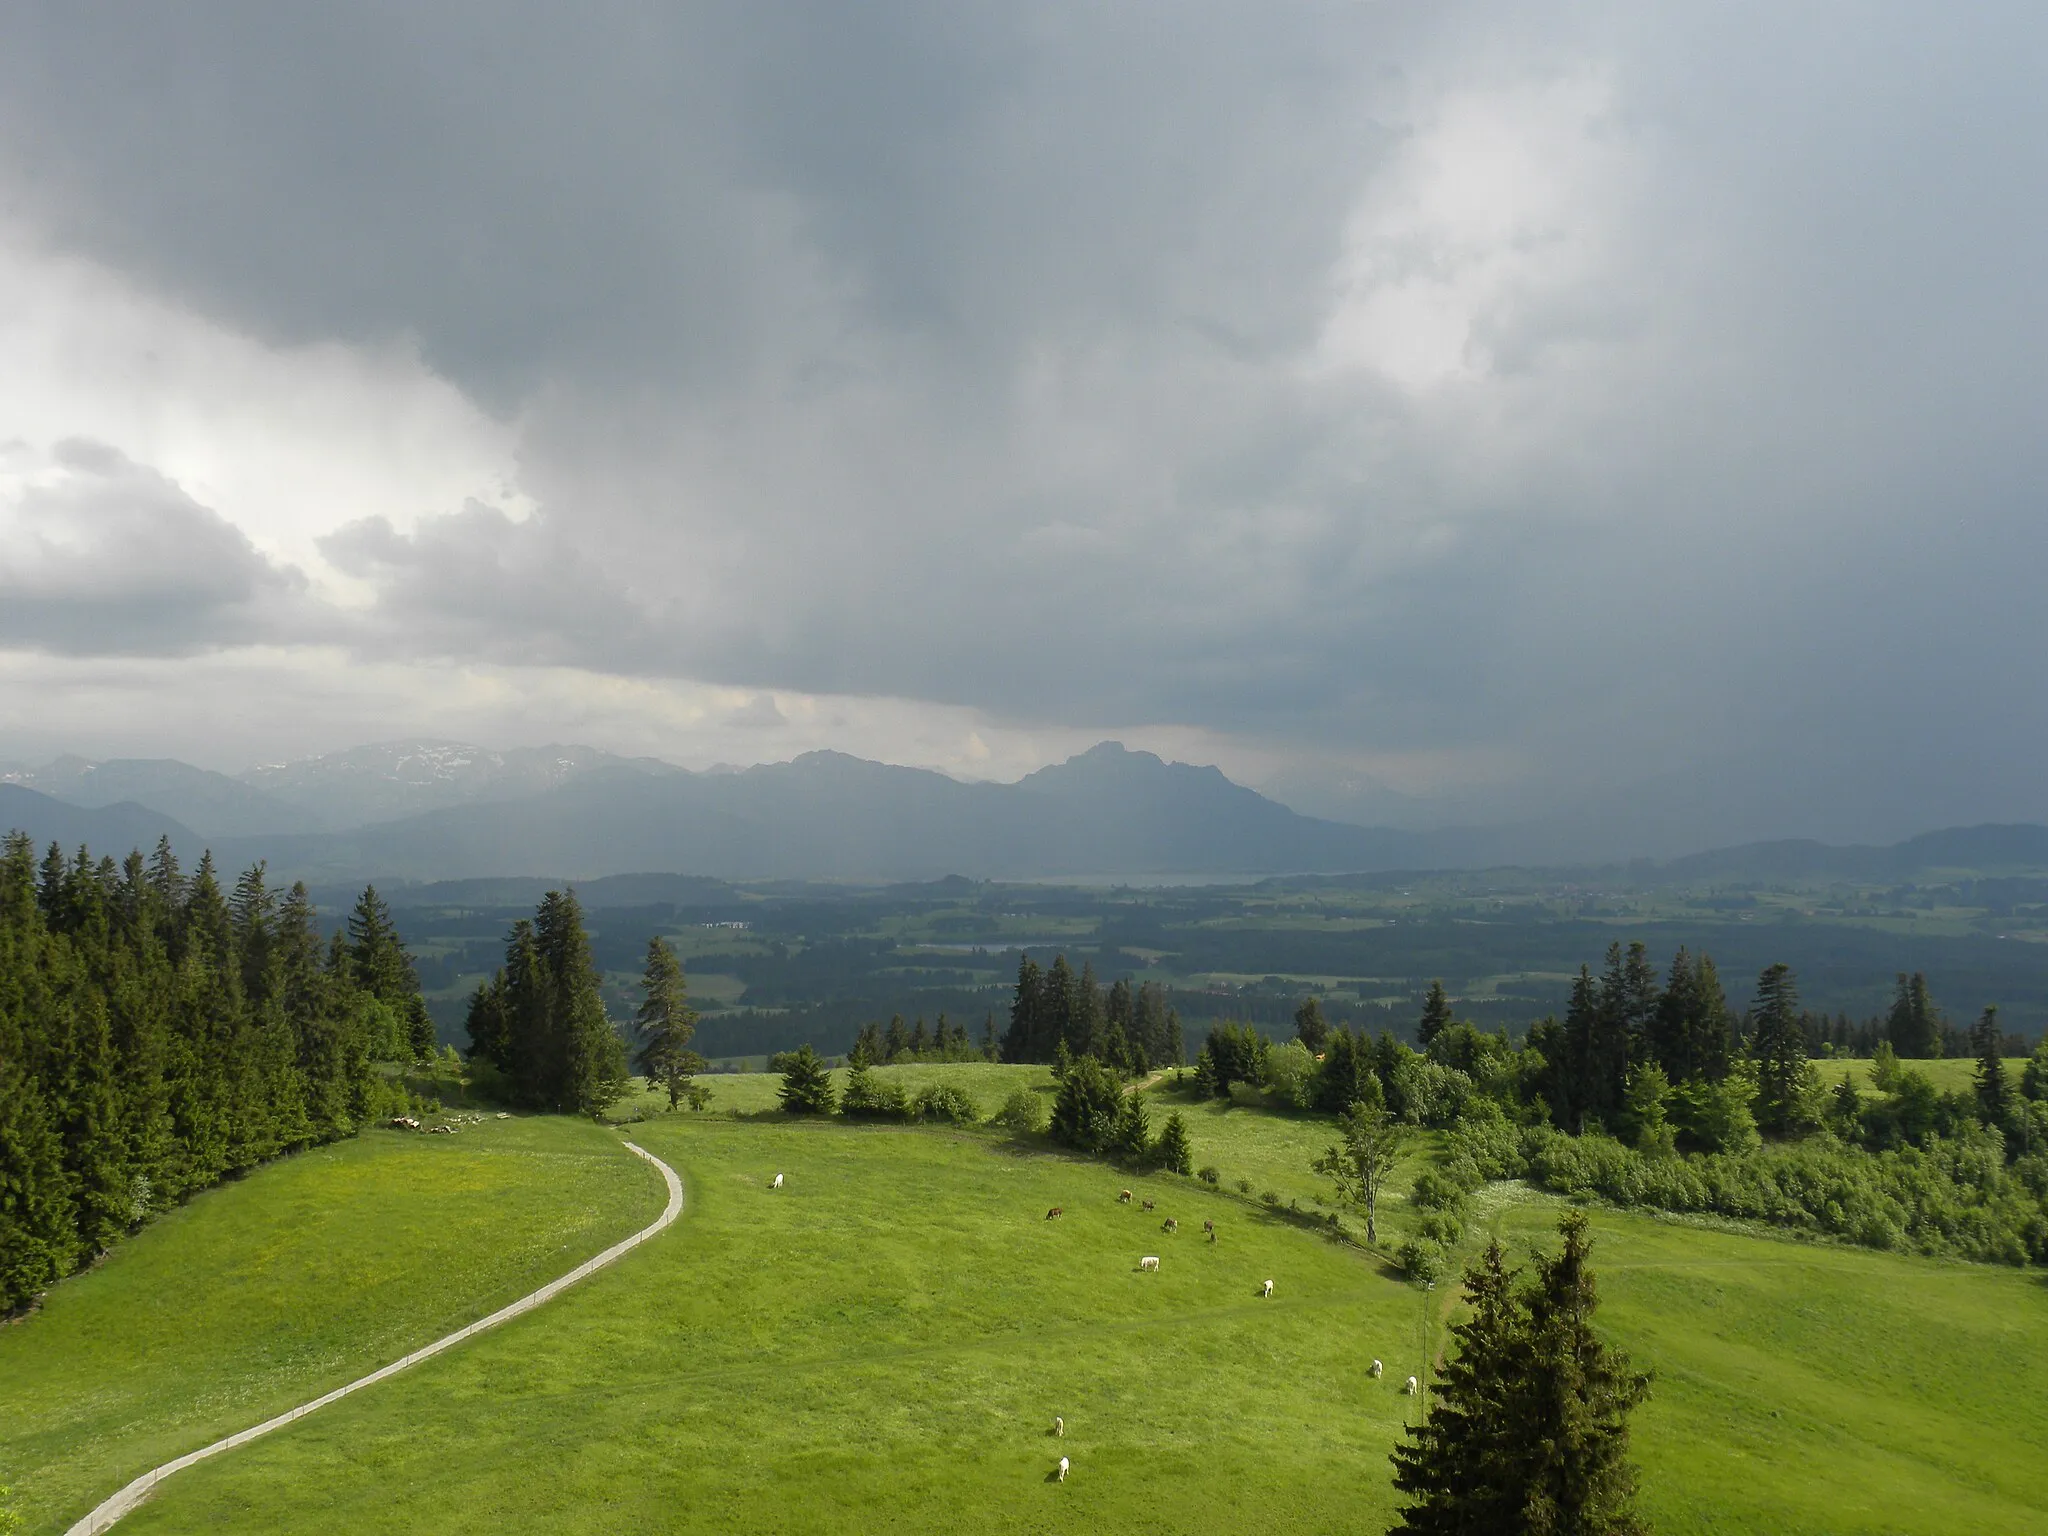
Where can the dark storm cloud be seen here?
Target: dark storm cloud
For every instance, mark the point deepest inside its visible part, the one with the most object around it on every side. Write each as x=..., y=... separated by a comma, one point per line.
x=1640, y=394
x=111, y=559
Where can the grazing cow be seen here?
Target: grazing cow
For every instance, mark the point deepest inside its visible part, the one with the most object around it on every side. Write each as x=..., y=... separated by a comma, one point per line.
x=778, y=1182
x=1150, y=1261
x=1148, y=1205
x=1375, y=1371
x=1063, y=1469
x=1058, y=1210
x=1059, y=1425
x=1410, y=1388
x=1209, y=1227
x=1169, y=1225
x=1266, y=1290
x=1124, y=1198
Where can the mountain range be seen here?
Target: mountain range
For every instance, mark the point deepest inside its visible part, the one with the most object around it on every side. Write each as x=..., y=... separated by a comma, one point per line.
x=435, y=811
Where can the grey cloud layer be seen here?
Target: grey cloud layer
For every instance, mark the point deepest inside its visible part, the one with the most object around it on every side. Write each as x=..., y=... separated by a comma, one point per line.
x=981, y=355
x=113, y=559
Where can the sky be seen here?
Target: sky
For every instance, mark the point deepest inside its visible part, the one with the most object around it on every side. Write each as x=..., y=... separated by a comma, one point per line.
x=1623, y=417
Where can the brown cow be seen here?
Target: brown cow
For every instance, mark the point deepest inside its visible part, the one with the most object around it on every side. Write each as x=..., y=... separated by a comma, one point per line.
x=1058, y=1210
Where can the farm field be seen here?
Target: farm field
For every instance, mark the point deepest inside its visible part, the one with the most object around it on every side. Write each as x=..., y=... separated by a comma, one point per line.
x=895, y=1329
x=270, y=1290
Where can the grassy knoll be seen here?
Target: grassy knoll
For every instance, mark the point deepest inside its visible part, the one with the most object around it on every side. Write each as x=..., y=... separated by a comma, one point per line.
x=265, y=1292
x=882, y=1344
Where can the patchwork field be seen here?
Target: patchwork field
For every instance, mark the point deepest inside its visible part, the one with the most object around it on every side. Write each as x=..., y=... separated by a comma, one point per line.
x=895, y=1329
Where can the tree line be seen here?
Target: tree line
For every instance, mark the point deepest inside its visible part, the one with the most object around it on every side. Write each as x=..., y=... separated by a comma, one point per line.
x=944, y=1041
x=159, y=1034
x=1654, y=1092
x=1053, y=1010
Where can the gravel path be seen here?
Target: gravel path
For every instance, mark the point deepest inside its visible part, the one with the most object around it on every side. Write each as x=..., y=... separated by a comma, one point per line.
x=124, y=1501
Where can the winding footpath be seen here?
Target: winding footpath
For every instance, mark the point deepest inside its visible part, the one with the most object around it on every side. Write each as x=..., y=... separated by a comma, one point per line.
x=124, y=1501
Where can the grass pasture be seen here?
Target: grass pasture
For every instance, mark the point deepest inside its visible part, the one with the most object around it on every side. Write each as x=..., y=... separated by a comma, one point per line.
x=265, y=1292
x=881, y=1345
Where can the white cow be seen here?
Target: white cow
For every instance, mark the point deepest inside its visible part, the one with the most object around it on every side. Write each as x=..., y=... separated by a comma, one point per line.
x=1063, y=1469
x=778, y=1182
x=1059, y=1425
x=1376, y=1369
x=1150, y=1261
x=1266, y=1290
x=1410, y=1388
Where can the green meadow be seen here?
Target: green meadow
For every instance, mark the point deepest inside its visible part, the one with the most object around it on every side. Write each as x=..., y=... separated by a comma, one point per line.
x=883, y=1344
x=308, y=1273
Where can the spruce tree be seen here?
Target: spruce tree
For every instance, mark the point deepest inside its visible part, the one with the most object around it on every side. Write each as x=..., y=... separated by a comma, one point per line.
x=1915, y=1024
x=587, y=1057
x=1579, y=1394
x=806, y=1085
x=1310, y=1026
x=1788, y=1084
x=1436, y=1015
x=1131, y=1139
x=1578, y=1071
x=1025, y=1039
x=1176, y=1153
x=666, y=1022
x=1994, y=1088
x=1088, y=1108
x=1465, y=1466
x=1713, y=1034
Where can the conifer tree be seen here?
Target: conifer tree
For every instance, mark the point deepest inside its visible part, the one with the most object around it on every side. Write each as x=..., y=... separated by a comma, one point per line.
x=1132, y=1137
x=1915, y=1025
x=1580, y=1068
x=666, y=1022
x=1788, y=1084
x=1025, y=1039
x=1176, y=1153
x=897, y=1042
x=1310, y=1026
x=806, y=1085
x=1436, y=1015
x=1465, y=1465
x=1085, y=1024
x=1580, y=1393
x=1994, y=1089
x=1088, y=1107
x=587, y=1052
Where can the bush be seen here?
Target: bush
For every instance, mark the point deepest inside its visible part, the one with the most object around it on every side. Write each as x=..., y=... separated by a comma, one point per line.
x=869, y=1096
x=1291, y=1076
x=1428, y=1093
x=1244, y=1186
x=1422, y=1261
x=943, y=1101
x=1021, y=1112
x=1208, y=1175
